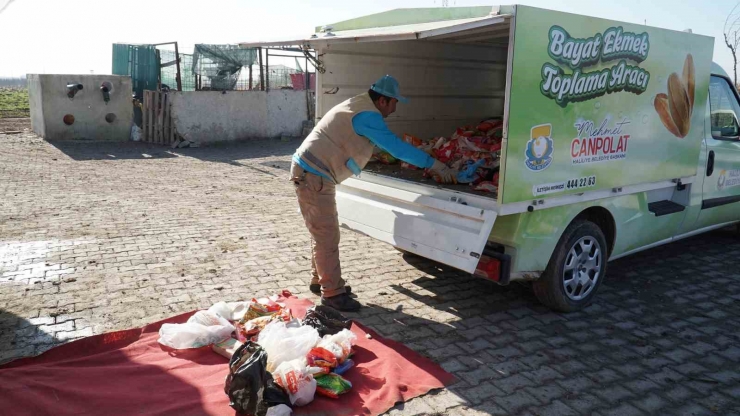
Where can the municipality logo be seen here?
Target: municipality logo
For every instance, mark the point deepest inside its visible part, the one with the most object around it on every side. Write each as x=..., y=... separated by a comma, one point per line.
x=728, y=179
x=539, y=148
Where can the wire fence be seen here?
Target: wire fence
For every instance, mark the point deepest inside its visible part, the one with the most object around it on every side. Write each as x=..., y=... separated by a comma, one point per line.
x=151, y=68
x=168, y=70
x=277, y=77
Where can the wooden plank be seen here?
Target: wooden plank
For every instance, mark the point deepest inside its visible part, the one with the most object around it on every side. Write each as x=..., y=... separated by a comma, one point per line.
x=152, y=114
x=144, y=111
x=165, y=114
x=163, y=117
x=149, y=116
x=156, y=117
x=160, y=120
x=168, y=121
x=165, y=98
x=172, y=124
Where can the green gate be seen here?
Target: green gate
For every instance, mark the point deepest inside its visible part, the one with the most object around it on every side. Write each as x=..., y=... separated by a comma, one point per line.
x=140, y=63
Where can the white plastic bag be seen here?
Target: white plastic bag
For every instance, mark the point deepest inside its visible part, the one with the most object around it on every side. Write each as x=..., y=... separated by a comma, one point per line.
x=305, y=394
x=340, y=344
x=233, y=311
x=294, y=377
x=208, y=318
x=192, y=335
x=221, y=309
x=279, y=410
x=343, y=337
x=238, y=310
x=135, y=133
x=285, y=344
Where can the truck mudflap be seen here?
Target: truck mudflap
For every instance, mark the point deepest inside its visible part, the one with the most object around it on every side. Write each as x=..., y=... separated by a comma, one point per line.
x=436, y=225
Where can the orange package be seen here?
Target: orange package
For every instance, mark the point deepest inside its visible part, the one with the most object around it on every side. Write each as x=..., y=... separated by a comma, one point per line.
x=412, y=140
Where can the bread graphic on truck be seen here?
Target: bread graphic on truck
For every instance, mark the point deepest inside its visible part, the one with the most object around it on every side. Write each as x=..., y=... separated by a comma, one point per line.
x=676, y=107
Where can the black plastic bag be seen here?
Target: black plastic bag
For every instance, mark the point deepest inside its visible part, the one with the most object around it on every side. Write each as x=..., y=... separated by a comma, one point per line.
x=249, y=385
x=274, y=394
x=326, y=320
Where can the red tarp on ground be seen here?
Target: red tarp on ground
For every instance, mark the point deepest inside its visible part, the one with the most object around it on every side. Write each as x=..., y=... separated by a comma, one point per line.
x=129, y=372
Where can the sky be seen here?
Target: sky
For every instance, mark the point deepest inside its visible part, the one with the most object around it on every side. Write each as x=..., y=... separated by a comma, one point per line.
x=75, y=36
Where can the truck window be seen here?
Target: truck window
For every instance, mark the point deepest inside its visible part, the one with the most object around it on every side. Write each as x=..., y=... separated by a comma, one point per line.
x=724, y=110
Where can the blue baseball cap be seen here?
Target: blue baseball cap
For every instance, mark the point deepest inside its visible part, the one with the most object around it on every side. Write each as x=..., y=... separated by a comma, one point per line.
x=388, y=86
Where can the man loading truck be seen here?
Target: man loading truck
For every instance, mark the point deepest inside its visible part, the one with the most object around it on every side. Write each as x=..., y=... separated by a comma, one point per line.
x=340, y=146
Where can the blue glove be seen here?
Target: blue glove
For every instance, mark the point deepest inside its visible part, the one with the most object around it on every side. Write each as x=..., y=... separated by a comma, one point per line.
x=467, y=175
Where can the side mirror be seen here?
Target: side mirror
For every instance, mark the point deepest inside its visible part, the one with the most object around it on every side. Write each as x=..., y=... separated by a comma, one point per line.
x=728, y=128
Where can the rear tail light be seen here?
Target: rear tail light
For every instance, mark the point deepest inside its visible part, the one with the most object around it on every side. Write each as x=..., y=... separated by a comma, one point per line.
x=489, y=268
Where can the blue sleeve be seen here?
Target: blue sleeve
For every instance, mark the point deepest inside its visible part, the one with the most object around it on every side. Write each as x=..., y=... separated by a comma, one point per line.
x=371, y=125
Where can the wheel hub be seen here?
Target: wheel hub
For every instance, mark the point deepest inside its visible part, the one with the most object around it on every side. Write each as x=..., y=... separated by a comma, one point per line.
x=582, y=268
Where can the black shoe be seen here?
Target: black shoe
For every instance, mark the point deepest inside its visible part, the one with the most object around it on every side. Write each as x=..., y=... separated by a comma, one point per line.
x=342, y=303
x=316, y=289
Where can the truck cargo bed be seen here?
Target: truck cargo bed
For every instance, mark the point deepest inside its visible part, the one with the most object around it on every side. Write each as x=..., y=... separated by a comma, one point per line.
x=416, y=175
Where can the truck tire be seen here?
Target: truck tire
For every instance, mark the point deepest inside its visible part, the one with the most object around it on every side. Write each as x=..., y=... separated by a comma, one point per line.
x=575, y=270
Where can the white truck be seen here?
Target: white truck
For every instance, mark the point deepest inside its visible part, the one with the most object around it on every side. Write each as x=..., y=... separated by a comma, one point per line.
x=616, y=138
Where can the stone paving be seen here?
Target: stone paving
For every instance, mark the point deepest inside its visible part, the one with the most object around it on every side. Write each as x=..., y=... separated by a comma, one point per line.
x=96, y=237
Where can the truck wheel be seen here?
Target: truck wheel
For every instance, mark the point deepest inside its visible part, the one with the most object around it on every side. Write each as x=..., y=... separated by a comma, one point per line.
x=575, y=270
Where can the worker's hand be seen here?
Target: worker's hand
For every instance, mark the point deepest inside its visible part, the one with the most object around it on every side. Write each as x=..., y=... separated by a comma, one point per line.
x=442, y=173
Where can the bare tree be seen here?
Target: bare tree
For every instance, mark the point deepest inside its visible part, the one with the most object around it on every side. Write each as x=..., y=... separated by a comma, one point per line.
x=732, y=35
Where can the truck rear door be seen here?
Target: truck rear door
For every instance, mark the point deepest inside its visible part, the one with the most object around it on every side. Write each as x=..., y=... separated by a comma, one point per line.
x=446, y=226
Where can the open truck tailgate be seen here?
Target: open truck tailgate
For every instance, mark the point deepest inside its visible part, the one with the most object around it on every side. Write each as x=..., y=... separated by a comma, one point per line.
x=434, y=223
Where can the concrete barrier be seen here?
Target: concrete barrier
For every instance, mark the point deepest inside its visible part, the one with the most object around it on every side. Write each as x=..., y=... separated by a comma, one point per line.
x=86, y=115
x=212, y=116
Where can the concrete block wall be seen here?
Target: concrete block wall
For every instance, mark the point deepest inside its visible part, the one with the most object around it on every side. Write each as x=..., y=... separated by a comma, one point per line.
x=35, y=104
x=211, y=116
x=49, y=105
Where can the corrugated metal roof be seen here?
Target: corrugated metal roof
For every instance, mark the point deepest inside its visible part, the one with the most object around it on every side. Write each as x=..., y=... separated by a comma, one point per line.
x=478, y=29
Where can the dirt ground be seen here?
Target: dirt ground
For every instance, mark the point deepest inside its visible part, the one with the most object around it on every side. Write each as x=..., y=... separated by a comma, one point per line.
x=15, y=124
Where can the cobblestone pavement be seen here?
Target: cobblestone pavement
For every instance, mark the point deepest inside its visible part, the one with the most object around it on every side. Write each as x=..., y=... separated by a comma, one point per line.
x=97, y=237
